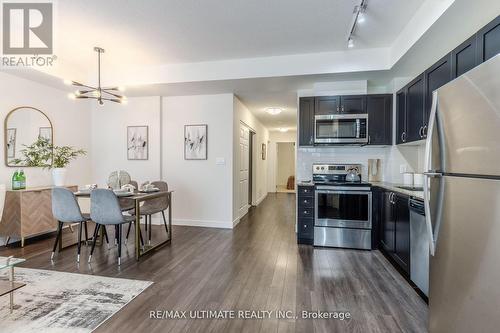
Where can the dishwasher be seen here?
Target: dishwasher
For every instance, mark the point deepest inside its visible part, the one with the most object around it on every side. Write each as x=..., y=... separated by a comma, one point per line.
x=419, y=246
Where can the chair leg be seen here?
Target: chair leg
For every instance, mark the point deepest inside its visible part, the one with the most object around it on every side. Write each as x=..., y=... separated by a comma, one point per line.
x=7, y=241
x=164, y=220
x=80, y=226
x=105, y=233
x=58, y=236
x=146, y=224
x=119, y=228
x=94, y=239
x=128, y=231
x=86, y=232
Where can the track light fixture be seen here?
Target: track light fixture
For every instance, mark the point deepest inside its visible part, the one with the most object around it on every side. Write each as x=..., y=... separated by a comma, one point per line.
x=359, y=17
x=98, y=93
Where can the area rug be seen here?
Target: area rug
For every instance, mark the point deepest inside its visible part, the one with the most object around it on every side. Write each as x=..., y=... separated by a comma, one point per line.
x=65, y=302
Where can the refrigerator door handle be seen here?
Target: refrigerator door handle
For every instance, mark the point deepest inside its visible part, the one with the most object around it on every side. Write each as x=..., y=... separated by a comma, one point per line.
x=428, y=174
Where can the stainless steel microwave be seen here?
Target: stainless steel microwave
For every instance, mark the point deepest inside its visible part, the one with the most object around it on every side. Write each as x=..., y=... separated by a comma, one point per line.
x=341, y=128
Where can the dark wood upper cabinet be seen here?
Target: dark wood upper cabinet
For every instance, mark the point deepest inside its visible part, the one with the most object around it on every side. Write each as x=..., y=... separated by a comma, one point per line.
x=306, y=121
x=379, y=108
x=436, y=76
x=415, y=109
x=325, y=105
x=463, y=58
x=488, y=40
x=401, y=116
x=353, y=104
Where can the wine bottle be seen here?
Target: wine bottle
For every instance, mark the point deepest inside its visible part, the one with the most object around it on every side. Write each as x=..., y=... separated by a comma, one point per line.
x=22, y=180
x=15, y=181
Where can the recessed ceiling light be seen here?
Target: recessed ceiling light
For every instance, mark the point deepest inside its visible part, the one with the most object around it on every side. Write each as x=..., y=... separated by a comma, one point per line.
x=283, y=130
x=274, y=111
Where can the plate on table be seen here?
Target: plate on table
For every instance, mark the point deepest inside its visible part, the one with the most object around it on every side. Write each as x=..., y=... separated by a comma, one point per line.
x=152, y=190
x=121, y=193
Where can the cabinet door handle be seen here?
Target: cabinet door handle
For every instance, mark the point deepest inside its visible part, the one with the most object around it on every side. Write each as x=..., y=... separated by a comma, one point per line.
x=338, y=109
x=305, y=225
x=421, y=132
x=342, y=108
x=369, y=139
x=424, y=131
x=403, y=136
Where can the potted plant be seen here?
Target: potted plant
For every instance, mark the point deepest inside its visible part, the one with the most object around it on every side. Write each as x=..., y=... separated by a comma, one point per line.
x=37, y=154
x=43, y=154
x=61, y=157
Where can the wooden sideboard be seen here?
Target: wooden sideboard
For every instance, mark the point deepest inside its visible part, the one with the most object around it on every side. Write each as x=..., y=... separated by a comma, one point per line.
x=28, y=213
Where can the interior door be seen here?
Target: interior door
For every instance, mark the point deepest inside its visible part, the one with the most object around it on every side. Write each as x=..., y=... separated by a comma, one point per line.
x=244, y=169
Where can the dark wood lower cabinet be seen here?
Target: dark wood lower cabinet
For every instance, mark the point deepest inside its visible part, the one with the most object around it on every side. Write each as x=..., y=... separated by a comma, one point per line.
x=305, y=215
x=402, y=232
x=394, y=228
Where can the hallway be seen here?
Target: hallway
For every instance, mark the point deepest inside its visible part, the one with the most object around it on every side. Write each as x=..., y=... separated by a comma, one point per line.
x=256, y=266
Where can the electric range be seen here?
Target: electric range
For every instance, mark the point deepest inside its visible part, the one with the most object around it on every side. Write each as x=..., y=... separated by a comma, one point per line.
x=343, y=214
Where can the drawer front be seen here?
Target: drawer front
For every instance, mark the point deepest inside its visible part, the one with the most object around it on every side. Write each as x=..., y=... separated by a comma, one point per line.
x=306, y=191
x=305, y=228
x=36, y=213
x=306, y=212
x=306, y=202
x=343, y=237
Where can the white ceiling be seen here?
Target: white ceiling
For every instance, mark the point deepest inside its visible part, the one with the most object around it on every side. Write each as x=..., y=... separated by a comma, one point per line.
x=180, y=31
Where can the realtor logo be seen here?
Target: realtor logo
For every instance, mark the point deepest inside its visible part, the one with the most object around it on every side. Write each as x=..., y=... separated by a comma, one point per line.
x=27, y=28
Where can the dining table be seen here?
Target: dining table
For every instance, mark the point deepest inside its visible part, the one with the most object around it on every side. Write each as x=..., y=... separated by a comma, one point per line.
x=139, y=197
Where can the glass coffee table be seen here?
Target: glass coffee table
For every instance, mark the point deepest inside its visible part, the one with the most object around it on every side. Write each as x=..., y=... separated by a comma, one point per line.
x=8, y=287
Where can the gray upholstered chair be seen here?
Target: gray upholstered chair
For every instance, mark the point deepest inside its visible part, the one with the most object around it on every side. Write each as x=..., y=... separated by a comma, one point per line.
x=127, y=204
x=105, y=210
x=65, y=209
x=154, y=206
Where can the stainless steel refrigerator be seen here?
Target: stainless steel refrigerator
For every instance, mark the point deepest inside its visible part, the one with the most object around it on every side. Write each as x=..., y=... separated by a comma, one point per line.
x=462, y=203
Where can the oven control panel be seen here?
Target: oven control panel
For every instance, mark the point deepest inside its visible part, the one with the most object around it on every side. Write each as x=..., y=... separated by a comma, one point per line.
x=335, y=169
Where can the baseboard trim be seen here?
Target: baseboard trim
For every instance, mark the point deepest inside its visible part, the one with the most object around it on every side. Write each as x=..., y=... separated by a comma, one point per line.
x=261, y=199
x=196, y=223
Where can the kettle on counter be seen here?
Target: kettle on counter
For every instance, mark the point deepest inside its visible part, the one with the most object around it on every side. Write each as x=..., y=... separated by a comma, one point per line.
x=353, y=175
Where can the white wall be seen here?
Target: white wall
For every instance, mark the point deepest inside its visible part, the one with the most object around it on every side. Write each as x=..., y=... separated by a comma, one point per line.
x=109, y=138
x=274, y=137
x=70, y=120
x=203, y=190
x=259, y=190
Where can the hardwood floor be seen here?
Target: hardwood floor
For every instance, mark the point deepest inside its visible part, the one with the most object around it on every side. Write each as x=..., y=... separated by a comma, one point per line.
x=256, y=266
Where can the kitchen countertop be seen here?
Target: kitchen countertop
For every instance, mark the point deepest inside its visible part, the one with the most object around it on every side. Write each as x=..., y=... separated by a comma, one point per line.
x=393, y=187
x=305, y=183
x=386, y=185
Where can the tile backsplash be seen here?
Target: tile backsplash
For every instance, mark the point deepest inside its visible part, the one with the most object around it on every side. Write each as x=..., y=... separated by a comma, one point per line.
x=392, y=158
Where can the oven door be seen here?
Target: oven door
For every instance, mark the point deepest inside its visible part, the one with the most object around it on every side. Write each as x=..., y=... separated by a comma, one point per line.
x=343, y=208
x=341, y=128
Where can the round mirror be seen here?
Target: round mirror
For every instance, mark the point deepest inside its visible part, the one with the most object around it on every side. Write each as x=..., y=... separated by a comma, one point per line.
x=23, y=127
